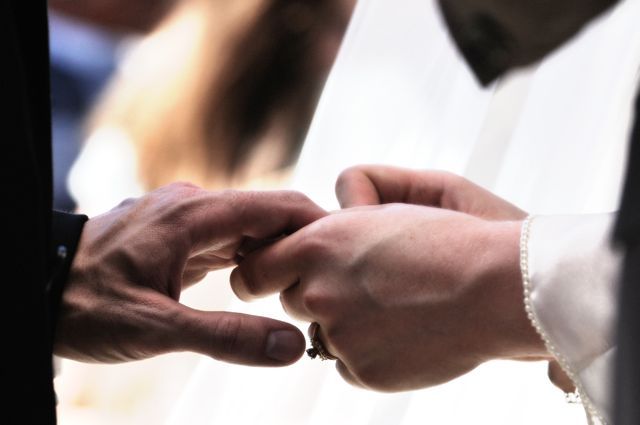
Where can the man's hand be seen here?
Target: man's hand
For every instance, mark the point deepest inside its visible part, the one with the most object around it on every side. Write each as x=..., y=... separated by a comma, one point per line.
x=121, y=300
x=407, y=296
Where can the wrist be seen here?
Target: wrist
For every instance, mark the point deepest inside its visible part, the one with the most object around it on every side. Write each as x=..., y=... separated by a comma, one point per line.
x=508, y=330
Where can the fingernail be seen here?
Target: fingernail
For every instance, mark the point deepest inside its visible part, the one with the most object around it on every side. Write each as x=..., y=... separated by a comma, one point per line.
x=283, y=346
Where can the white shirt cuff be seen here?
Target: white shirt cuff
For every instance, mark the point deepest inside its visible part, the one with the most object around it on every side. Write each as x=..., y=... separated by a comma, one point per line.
x=570, y=271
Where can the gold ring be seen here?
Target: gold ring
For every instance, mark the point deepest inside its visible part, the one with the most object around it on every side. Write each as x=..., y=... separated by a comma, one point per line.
x=317, y=348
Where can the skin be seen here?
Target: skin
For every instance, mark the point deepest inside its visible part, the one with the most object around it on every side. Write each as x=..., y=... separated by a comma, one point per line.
x=371, y=185
x=121, y=301
x=415, y=283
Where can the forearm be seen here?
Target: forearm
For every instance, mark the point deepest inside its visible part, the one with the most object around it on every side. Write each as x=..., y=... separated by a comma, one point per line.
x=496, y=269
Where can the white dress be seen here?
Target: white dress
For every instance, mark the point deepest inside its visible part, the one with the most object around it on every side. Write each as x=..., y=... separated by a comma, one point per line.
x=550, y=139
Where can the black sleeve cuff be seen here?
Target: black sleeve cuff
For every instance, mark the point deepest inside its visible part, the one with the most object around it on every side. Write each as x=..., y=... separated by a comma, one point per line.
x=65, y=235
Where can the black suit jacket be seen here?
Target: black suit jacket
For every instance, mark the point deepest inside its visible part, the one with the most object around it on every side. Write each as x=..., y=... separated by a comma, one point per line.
x=40, y=243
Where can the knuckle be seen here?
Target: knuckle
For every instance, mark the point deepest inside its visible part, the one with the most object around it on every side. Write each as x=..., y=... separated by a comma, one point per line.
x=174, y=195
x=291, y=306
x=237, y=200
x=243, y=283
x=235, y=195
x=347, y=175
x=351, y=172
x=371, y=377
x=183, y=185
x=346, y=374
x=297, y=196
x=294, y=197
x=182, y=189
x=285, y=301
x=251, y=289
x=316, y=240
x=126, y=203
x=452, y=180
x=315, y=301
x=338, y=337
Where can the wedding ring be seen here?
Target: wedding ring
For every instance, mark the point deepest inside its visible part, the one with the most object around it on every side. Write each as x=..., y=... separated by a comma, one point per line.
x=317, y=348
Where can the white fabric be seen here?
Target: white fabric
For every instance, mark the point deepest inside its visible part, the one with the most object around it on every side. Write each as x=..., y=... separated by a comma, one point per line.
x=551, y=139
x=572, y=279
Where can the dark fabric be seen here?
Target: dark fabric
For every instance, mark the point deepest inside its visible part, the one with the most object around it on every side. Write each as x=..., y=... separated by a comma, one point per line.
x=65, y=235
x=495, y=36
x=627, y=391
x=482, y=42
x=628, y=227
x=25, y=177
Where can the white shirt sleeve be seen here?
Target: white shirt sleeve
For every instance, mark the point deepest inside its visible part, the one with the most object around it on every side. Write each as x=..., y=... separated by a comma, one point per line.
x=570, y=271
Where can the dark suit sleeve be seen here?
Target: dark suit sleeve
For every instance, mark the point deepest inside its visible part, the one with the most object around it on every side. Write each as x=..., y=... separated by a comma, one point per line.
x=65, y=236
x=34, y=268
x=627, y=390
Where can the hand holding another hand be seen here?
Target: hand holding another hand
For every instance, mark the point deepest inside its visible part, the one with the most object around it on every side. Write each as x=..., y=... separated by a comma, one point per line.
x=408, y=294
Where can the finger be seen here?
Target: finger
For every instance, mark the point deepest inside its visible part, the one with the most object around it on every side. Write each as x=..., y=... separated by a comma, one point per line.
x=430, y=188
x=200, y=265
x=269, y=270
x=220, y=218
x=235, y=338
x=292, y=304
x=272, y=214
x=355, y=188
x=347, y=375
x=559, y=378
x=251, y=244
x=379, y=184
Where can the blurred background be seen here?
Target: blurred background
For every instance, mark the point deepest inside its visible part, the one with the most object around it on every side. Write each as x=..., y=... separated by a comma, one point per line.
x=211, y=91
x=266, y=94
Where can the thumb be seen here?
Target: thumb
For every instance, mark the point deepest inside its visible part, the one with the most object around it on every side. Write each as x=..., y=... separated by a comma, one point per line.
x=354, y=187
x=377, y=184
x=237, y=338
x=381, y=184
